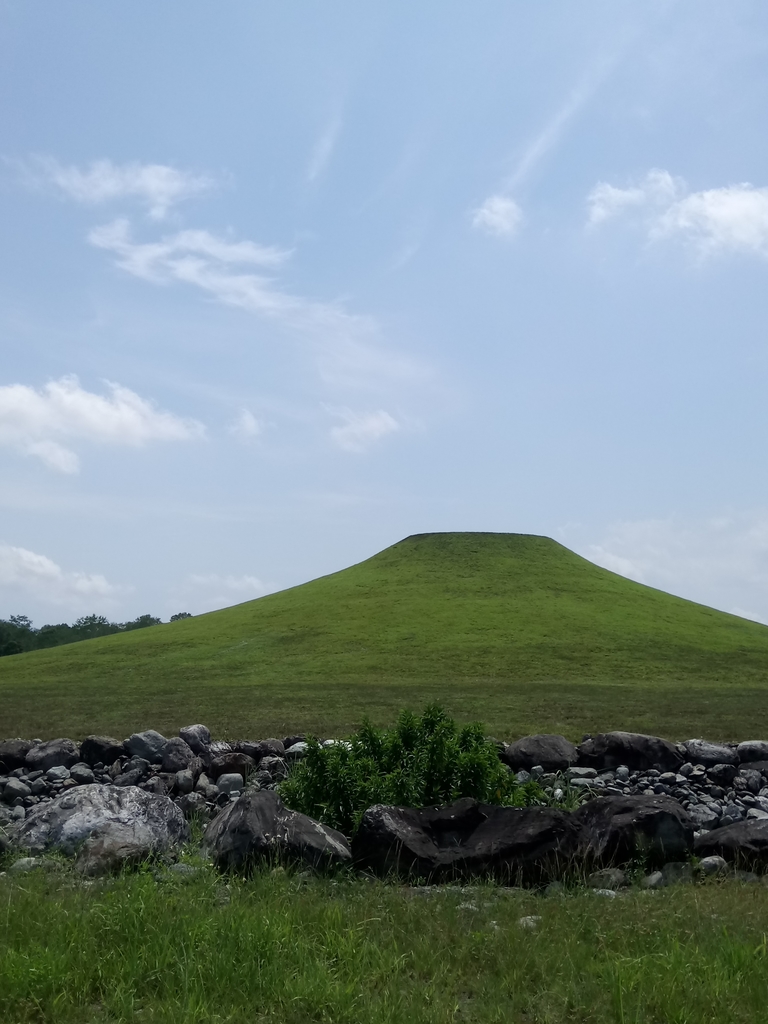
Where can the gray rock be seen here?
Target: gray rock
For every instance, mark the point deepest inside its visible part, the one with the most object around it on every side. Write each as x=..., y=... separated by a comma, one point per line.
x=723, y=774
x=756, y=813
x=197, y=737
x=264, y=748
x=177, y=755
x=581, y=773
x=185, y=781
x=709, y=754
x=296, y=751
x=101, y=750
x=25, y=864
x=744, y=843
x=232, y=783
x=712, y=866
x=554, y=753
x=676, y=872
x=106, y=827
x=753, y=750
x=608, y=878
x=653, y=881
x=149, y=745
x=276, y=766
x=57, y=774
x=15, y=789
x=467, y=838
x=620, y=829
x=82, y=774
x=633, y=750
x=52, y=754
x=13, y=754
x=703, y=816
x=230, y=763
x=192, y=805
x=259, y=827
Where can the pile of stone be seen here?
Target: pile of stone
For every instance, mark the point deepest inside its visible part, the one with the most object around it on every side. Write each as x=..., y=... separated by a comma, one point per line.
x=638, y=799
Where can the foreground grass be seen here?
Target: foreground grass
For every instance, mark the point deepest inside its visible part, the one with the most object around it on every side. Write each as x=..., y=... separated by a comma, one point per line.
x=287, y=949
x=503, y=628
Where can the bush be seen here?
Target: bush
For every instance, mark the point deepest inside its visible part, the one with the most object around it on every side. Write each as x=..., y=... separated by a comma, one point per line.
x=421, y=762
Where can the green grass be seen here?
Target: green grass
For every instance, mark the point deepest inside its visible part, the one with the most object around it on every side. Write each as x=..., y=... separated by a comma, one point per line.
x=513, y=630
x=282, y=949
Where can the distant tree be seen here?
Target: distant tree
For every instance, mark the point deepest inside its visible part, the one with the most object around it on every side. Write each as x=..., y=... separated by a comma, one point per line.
x=89, y=626
x=16, y=635
x=141, y=622
x=22, y=621
x=181, y=615
x=54, y=636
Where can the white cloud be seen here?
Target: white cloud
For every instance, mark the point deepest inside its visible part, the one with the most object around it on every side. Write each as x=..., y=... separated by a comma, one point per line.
x=721, y=562
x=246, y=426
x=24, y=573
x=733, y=218
x=158, y=186
x=362, y=429
x=499, y=215
x=33, y=421
x=323, y=150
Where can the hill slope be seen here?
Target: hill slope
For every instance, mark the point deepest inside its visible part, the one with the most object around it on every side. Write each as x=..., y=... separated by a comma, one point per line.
x=465, y=616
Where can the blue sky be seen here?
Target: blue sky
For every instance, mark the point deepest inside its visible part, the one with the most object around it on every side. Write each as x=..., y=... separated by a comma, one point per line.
x=282, y=284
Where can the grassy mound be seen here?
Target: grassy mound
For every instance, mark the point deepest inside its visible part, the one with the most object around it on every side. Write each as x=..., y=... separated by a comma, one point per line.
x=512, y=629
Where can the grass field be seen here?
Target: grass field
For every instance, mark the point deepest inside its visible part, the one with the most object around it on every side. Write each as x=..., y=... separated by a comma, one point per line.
x=282, y=949
x=512, y=630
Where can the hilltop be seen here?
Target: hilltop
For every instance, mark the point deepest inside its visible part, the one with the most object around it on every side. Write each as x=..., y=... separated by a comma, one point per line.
x=513, y=629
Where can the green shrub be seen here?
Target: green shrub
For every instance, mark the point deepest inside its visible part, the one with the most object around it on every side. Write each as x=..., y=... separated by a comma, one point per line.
x=419, y=763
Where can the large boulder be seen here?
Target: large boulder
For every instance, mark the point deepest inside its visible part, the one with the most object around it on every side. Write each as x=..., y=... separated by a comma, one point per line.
x=745, y=843
x=101, y=750
x=104, y=827
x=752, y=750
x=148, y=744
x=262, y=748
x=61, y=753
x=227, y=764
x=13, y=754
x=619, y=829
x=553, y=753
x=466, y=838
x=177, y=755
x=709, y=754
x=197, y=737
x=259, y=827
x=635, y=750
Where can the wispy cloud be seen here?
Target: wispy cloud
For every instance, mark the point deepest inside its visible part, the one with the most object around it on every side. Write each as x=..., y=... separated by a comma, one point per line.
x=323, y=149
x=499, y=215
x=34, y=422
x=24, y=573
x=721, y=561
x=732, y=218
x=157, y=186
x=360, y=430
x=246, y=426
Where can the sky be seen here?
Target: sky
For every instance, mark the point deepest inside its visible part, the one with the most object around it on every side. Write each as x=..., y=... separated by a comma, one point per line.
x=281, y=284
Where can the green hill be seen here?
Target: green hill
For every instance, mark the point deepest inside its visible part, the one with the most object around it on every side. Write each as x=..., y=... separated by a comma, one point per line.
x=515, y=630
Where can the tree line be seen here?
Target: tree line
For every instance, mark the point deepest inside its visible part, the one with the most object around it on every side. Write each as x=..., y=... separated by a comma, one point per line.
x=17, y=633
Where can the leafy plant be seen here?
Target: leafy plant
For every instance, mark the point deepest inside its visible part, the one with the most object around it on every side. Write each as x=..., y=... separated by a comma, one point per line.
x=422, y=761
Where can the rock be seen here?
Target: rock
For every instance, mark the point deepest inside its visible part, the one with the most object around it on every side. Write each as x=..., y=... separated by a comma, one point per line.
x=723, y=774
x=24, y=864
x=581, y=773
x=757, y=812
x=752, y=750
x=752, y=779
x=530, y=922
x=296, y=751
x=275, y=766
x=610, y=893
x=149, y=745
x=13, y=754
x=177, y=755
x=703, y=816
x=675, y=872
x=57, y=774
x=101, y=750
x=104, y=826
x=197, y=737
x=526, y=844
x=608, y=878
x=185, y=781
x=653, y=881
x=230, y=763
x=634, y=750
x=15, y=789
x=260, y=827
x=82, y=774
x=712, y=866
x=192, y=805
x=619, y=829
x=217, y=748
x=744, y=843
x=264, y=748
x=709, y=754
x=52, y=754
x=232, y=783
x=553, y=753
